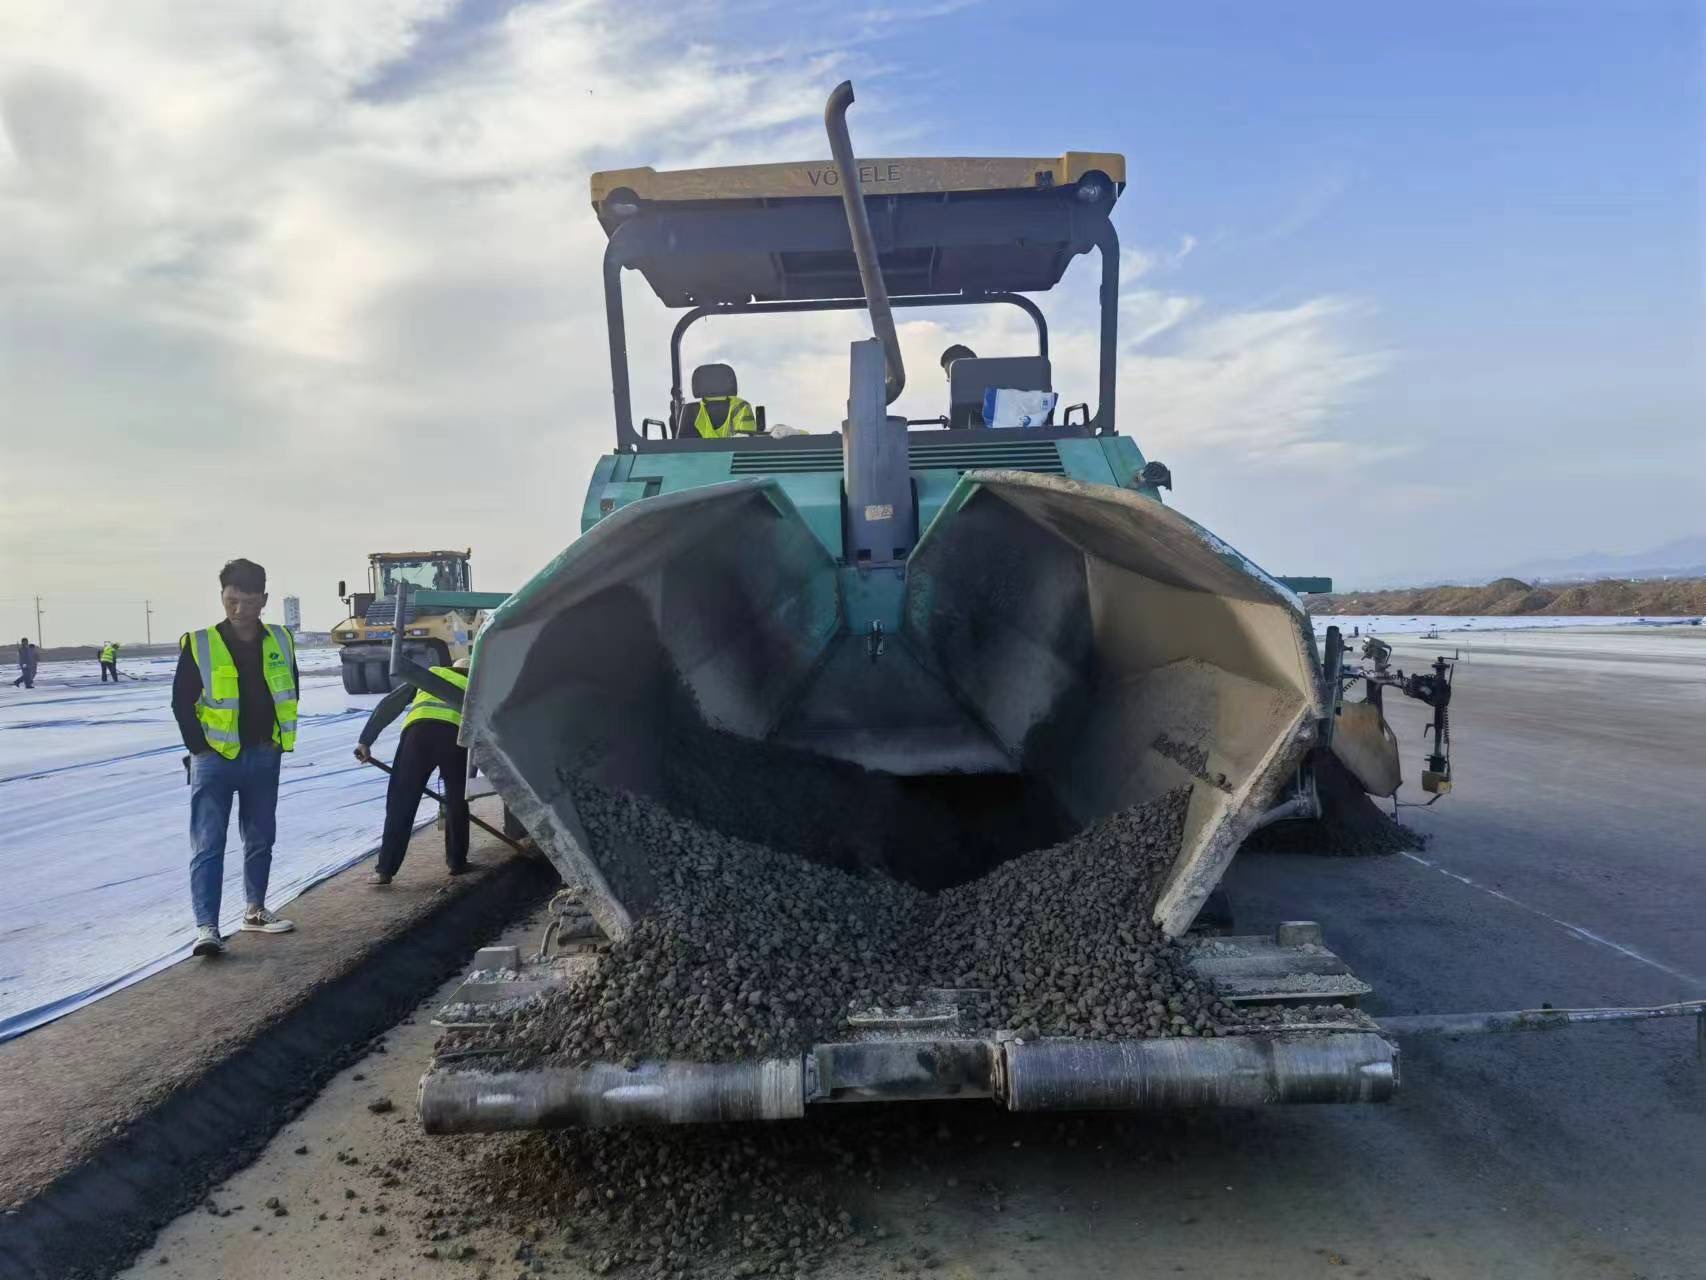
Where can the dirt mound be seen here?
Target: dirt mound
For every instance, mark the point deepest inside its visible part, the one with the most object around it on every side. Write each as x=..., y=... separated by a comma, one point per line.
x=1517, y=603
x=1599, y=597
x=1511, y=597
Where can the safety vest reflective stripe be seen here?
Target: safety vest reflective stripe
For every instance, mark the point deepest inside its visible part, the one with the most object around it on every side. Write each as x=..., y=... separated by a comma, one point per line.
x=204, y=664
x=110, y=653
x=218, y=716
x=426, y=706
x=282, y=685
x=740, y=418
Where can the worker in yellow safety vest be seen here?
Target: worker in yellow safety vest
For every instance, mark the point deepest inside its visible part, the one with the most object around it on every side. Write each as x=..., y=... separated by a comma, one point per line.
x=428, y=743
x=721, y=412
x=736, y=415
x=109, y=661
x=235, y=699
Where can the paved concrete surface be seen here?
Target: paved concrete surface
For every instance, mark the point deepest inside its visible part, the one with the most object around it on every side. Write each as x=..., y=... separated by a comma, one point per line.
x=1566, y=867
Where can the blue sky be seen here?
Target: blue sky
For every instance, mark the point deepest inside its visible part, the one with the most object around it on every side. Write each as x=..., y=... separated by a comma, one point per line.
x=1412, y=291
x=1515, y=188
x=1511, y=191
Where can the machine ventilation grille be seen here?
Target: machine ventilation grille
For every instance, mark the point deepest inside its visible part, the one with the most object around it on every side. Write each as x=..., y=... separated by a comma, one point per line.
x=1016, y=455
x=383, y=613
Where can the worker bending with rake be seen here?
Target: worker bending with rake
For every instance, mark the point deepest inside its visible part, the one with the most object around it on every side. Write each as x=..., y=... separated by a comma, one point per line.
x=428, y=743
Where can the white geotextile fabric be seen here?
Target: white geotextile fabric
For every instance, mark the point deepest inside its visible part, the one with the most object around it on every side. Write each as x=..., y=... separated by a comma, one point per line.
x=94, y=826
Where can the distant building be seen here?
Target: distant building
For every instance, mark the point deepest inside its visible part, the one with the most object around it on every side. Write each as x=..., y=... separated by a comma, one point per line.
x=292, y=614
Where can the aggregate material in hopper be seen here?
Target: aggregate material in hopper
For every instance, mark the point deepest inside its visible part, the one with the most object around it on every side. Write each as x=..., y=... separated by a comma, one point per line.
x=751, y=952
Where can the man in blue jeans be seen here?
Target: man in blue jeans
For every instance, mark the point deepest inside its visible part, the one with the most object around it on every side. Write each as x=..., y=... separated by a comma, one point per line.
x=235, y=699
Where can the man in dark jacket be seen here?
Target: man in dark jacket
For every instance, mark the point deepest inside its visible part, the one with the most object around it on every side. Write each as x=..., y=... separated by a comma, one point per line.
x=27, y=655
x=235, y=698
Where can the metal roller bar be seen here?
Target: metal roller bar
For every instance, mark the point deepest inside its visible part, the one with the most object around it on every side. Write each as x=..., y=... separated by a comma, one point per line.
x=606, y=1094
x=902, y=1070
x=1223, y=1071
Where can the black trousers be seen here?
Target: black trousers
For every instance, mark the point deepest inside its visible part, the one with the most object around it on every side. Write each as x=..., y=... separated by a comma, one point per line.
x=109, y=666
x=426, y=745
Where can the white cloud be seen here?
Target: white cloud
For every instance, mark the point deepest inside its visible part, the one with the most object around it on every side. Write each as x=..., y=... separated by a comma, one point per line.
x=1271, y=384
x=264, y=270
x=297, y=283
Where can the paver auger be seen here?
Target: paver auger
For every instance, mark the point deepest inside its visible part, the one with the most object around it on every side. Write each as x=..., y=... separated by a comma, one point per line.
x=969, y=615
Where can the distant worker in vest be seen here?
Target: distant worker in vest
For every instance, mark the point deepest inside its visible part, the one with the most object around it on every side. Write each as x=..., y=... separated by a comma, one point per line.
x=428, y=743
x=109, y=660
x=27, y=656
x=716, y=410
x=235, y=697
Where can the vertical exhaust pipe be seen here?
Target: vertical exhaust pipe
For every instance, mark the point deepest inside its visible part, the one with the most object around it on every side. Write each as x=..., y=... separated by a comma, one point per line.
x=879, y=516
x=864, y=246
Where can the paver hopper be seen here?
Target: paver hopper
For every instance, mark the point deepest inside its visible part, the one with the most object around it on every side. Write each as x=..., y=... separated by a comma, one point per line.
x=955, y=614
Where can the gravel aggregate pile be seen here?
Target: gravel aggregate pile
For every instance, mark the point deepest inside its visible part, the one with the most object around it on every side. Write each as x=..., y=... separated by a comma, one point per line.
x=749, y=952
x=854, y=1190
x=1064, y=940
x=703, y=1199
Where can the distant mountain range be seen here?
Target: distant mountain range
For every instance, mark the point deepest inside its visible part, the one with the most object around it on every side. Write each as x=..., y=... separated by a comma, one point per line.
x=1681, y=558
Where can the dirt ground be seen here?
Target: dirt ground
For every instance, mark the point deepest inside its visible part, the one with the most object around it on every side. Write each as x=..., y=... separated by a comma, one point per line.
x=1565, y=869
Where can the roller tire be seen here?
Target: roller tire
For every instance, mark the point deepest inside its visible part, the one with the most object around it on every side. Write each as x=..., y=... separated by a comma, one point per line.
x=355, y=676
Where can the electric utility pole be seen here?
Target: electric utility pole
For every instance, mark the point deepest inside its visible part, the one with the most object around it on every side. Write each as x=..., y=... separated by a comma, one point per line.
x=148, y=620
x=38, y=622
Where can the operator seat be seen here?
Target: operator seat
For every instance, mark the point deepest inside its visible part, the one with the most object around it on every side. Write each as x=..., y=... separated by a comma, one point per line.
x=714, y=382
x=970, y=377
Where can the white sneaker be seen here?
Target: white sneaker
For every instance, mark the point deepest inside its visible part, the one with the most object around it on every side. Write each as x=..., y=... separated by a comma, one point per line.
x=207, y=941
x=260, y=920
